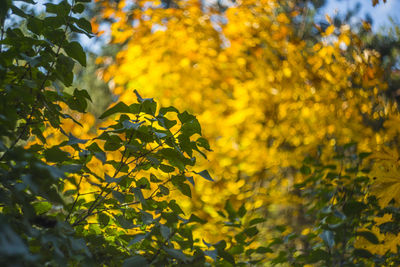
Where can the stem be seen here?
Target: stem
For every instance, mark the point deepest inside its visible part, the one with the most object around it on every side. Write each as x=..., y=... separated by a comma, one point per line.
x=76, y=199
x=22, y=133
x=1, y=36
x=100, y=197
x=163, y=244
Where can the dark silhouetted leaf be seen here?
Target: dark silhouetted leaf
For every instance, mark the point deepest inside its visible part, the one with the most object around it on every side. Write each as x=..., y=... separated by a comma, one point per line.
x=75, y=50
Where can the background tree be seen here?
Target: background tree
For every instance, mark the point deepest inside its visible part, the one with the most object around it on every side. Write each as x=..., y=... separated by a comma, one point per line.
x=266, y=97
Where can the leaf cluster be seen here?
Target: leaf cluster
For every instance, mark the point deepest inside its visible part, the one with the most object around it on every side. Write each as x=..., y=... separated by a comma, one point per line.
x=340, y=217
x=110, y=199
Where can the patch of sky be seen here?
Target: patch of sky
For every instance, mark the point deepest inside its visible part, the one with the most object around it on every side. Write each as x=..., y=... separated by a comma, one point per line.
x=383, y=16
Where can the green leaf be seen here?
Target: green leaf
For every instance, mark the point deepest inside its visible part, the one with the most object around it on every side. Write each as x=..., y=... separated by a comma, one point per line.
x=328, y=238
x=353, y=208
x=61, y=9
x=332, y=175
x=257, y=221
x=231, y=211
x=165, y=231
x=263, y=250
x=242, y=211
x=170, y=217
x=202, y=142
x=364, y=155
x=250, y=232
x=185, y=144
x=35, y=25
x=71, y=168
x=137, y=238
x=190, y=179
x=110, y=179
x=165, y=110
x=206, y=175
x=143, y=183
x=75, y=50
x=103, y=219
x=149, y=106
x=305, y=170
x=84, y=25
x=74, y=140
x=226, y=256
x=166, y=123
x=124, y=222
x=154, y=178
x=185, y=189
x=39, y=134
x=240, y=238
x=82, y=93
x=177, y=254
x=371, y=237
x=135, y=108
x=118, y=196
x=70, y=192
x=166, y=168
x=42, y=207
x=79, y=30
x=194, y=218
x=78, y=8
x=130, y=125
x=236, y=250
x=113, y=142
x=175, y=207
x=134, y=261
x=120, y=107
x=55, y=154
x=317, y=255
x=64, y=68
x=191, y=127
x=18, y=12
x=173, y=157
x=138, y=194
x=147, y=218
x=363, y=253
x=53, y=22
x=97, y=152
x=185, y=117
x=164, y=190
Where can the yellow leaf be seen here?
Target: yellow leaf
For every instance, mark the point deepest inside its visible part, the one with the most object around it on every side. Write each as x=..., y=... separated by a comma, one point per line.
x=386, y=176
x=329, y=30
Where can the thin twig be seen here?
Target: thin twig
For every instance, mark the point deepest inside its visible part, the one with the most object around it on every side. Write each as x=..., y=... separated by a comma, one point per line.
x=22, y=133
x=76, y=199
x=100, y=197
x=1, y=36
x=163, y=244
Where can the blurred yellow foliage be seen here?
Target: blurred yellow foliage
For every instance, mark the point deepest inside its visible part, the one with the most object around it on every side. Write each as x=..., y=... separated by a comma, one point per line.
x=265, y=98
x=386, y=173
